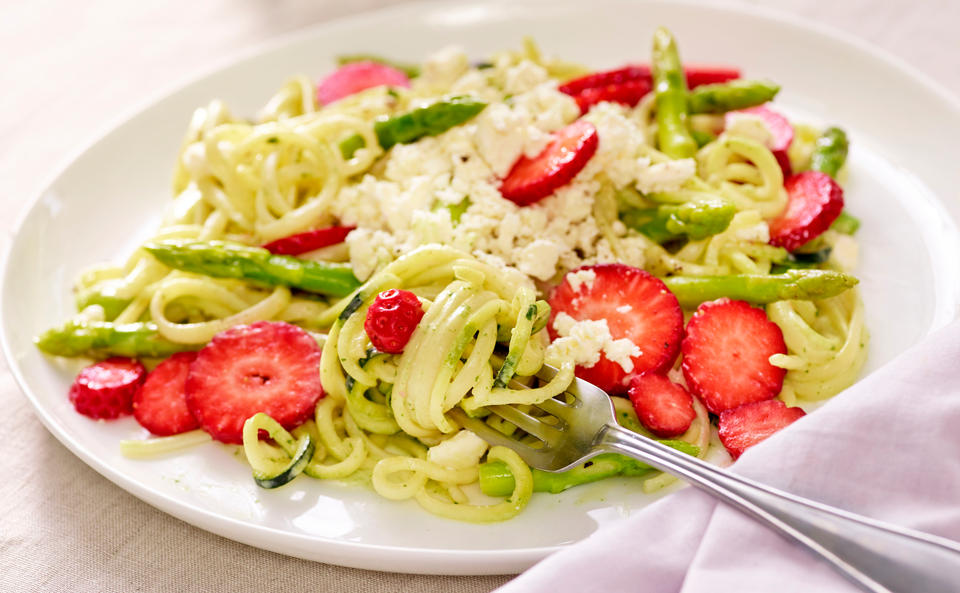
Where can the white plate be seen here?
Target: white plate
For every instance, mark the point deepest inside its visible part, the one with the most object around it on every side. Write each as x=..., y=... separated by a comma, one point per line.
x=902, y=178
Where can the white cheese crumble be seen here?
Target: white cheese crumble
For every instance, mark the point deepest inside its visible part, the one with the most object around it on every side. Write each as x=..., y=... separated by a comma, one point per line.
x=584, y=341
x=581, y=278
x=665, y=176
x=463, y=449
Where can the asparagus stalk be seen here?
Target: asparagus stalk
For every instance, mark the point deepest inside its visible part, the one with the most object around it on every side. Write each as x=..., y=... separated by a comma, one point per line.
x=496, y=479
x=696, y=220
x=730, y=96
x=829, y=155
x=830, y=152
x=411, y=70
x=220, y=259
x=102, y=339
x=112, y=304
x=430, y=120
x=670, y=88
x=759, y=289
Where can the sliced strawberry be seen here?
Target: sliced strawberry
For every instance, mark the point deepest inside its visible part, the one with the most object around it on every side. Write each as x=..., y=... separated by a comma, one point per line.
x=309, y=240
x=747, y=425
x=726, y=355
x=814, y=201
x=160, y=405
x=781, y=132
x=531, y=180
x=663, y=407
x=391, y=319
x=697, y=74
x=607, y=78
x=628, y=93
x=355, y=77
x=105, y=389
x=636, y=306
x=269, y=367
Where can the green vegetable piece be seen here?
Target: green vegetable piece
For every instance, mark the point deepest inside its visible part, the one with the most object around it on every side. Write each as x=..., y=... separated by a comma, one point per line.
x=696, y=220
x=350, y=145
x=496, y=479
x=731, y=96
x=830, y=152
x=411, y=70
x=221, y=259
x=431, y=120
x=760, y=289
x=102, y=339
x=112, y=305
x=670, y=94
x=456, y=210
x=846, y=223
x=702, y=138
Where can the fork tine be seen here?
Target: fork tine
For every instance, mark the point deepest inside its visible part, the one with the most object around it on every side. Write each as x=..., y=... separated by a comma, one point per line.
x=536, y=427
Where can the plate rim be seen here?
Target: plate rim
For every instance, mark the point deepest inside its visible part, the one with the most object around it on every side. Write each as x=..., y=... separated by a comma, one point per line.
x=290, y=543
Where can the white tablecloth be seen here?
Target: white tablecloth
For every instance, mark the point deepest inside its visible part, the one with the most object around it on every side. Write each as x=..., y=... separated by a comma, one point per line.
x=67, y=71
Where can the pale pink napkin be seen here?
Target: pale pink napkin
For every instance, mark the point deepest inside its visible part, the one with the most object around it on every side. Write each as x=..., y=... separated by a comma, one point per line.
x=888, y=448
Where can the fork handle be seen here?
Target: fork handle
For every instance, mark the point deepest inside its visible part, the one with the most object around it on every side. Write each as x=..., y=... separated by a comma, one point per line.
x=897, y=559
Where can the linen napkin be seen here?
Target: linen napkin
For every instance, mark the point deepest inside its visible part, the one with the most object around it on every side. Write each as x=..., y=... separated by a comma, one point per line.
x=887, y=448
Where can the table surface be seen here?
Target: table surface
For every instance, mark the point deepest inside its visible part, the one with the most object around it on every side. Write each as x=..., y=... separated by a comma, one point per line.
x=68, y=69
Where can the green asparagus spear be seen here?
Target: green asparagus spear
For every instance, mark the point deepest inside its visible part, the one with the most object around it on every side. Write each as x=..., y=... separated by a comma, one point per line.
x=829, y=155
x=830, y=151
x=758, y=289
x=696, y=220
x=730, y=96
x=112, y=304
x=430, y=120
x=702, y=138
x=496, y=479
x=670, y=88
x=102, y=339
x=233, y=260
x=411, y=70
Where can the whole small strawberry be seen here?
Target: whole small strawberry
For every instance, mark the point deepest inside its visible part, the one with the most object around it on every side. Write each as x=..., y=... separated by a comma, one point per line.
x=105, y=390
x=392, y=318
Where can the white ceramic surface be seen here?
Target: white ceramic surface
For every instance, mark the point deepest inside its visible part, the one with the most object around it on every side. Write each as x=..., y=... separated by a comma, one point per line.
x=903, y=182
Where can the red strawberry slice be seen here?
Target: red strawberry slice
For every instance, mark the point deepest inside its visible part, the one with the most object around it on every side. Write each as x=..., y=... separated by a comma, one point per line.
x=160, y=405
x=726, y=355
x=814, y=201
x=747, y=425
x=628, y=93
x=105, y=390
x=531, y=180
x=697, y=74
x=355, y=77
x=663, y=407
x=780, y=130
x=269, y=367
x=607, y=78
x=309, y=240
x=392, y=318
x=636, y=306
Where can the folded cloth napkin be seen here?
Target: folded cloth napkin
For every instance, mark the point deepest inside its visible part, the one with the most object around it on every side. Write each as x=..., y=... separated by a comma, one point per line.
x=888, y=448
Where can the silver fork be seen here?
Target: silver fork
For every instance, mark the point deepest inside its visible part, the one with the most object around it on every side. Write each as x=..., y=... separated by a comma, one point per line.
x=584, y=425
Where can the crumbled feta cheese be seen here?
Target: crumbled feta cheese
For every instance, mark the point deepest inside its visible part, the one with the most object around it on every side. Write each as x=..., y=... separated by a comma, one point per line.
x=620, y=140
x=463, y=449
x=584, y=341
x=524, y=77
x=369, y=250
x=445, y=66
x=539, y=259
x=581, y=278
x=665, y=176
x=504, y=135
